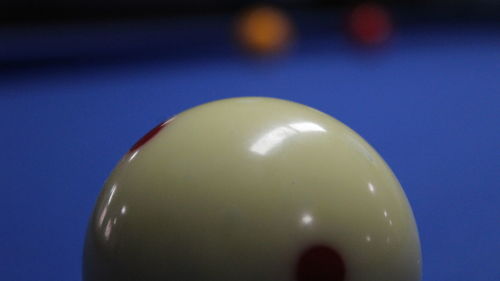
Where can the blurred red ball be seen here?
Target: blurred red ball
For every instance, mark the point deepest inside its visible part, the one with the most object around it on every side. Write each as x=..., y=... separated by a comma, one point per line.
x=370, y=24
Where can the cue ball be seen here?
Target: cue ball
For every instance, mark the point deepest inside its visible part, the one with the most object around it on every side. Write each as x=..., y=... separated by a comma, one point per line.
x=249, y=189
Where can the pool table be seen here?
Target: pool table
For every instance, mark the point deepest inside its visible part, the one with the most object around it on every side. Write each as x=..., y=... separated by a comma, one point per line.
x=74, y=98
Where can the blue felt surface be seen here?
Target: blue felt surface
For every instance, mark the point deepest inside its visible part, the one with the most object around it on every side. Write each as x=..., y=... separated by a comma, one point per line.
x=429, y=104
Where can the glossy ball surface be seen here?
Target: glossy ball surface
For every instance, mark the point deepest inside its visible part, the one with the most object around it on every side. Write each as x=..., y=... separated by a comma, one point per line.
x=249, y=189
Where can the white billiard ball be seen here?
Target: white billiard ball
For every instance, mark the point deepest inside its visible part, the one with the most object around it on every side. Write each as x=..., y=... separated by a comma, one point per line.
x=250, y=189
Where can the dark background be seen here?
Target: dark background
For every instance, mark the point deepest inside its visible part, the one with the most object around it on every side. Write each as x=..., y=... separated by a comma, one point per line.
x=63, y=10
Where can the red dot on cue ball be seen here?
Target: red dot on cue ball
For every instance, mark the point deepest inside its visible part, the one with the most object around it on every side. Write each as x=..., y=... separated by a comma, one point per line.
x=370, y=24
x=149, y=135
x=320, y=263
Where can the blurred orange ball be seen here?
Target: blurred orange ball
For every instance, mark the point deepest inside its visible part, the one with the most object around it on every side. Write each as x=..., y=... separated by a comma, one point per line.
x=264, y=30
